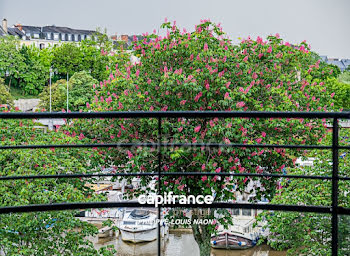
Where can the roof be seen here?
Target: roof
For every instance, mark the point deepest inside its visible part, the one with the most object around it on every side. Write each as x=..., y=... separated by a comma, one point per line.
x=337, y=63
x=66, y=30
x=15, y=32
x=32, y=29
x=2, y=32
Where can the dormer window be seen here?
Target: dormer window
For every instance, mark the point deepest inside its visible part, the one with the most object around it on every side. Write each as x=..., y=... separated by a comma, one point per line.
x=36, y=35
x=69, y=37
x=48, y=36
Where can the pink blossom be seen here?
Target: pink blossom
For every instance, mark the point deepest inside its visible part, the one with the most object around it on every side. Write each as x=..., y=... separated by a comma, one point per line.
x=181, y=187
x=218, y=170
x=183, y=102
x=263, y=134
x=166, y=183
x=258, y=140
x=205, y=47
x=130, y=155
x=180, y=129
x=203, y=167
x=87, y=105
x=269, y=50
x=240, y=104
x=197, y=129
x=204, y=178
x=227, y=96
x=245, y=59
x=332, y=95
x=81, y=136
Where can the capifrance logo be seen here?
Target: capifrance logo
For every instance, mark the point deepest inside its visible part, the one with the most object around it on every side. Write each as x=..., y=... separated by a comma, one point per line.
x=170, y=198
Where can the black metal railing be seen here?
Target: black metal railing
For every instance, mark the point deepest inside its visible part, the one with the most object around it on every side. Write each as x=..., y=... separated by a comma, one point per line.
x=334, y=209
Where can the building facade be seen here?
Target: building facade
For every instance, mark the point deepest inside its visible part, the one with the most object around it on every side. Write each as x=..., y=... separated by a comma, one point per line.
x=43, y=37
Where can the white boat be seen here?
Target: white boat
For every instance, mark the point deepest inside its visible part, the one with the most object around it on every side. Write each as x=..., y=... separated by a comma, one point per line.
x=140, y=226
x=240, y=235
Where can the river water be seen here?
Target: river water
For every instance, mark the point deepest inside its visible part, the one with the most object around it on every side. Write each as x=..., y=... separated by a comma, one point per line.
x=177, y=244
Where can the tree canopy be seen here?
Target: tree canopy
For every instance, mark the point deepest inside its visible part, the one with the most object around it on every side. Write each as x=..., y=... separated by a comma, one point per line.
x=202, y=70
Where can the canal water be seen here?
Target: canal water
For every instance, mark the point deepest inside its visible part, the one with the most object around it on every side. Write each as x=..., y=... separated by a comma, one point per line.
x=177, y=244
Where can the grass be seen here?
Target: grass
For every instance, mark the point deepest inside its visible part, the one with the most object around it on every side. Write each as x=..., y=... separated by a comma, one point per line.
x=17, y=93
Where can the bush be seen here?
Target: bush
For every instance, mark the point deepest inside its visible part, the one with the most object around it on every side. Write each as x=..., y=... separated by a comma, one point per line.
x=80, y=91
x=5, y=96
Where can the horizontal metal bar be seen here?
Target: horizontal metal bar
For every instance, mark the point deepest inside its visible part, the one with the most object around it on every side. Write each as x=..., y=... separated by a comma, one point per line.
x=216, y=205
x=168, y=145
x=83, y=175
x=175, y=114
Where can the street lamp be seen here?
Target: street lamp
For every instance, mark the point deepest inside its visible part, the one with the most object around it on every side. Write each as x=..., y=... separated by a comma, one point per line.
x=67, y=93
x=50, y=90
x=50, y=120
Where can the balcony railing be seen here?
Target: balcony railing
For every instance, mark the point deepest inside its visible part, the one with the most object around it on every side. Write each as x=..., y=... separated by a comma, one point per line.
x=334, y=209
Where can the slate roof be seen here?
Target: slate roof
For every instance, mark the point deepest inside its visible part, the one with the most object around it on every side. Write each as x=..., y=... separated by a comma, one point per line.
x=66, y=30
x=15, y=32
x=341, y=63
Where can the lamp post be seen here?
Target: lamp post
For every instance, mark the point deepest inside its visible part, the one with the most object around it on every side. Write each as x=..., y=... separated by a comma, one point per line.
x=67, y=93
x=50, y=120
x=50, y=90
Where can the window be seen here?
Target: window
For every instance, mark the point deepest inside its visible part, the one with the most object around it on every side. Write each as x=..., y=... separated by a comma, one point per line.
x=48, y=35
x=55, y=36
x=235, y=211
x=36, y=35
x=69, y=37
x=246, y=212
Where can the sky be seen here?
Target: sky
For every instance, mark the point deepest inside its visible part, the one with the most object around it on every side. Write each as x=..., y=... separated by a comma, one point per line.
x=324, y=24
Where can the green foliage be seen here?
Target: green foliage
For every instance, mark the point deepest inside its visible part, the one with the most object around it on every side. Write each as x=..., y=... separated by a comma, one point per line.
x=5, y=96
x=58, y=96
x=311, y=232
x=344, y=77
x=44, y=233
x=35, y=72
x=67, y=59
x=11, y=61
x=80, y=91
x=341, y=93
x=202, y=70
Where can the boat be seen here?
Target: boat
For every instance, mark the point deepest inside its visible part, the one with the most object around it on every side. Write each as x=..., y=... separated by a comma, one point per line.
x=140, y=226
x=241, y=235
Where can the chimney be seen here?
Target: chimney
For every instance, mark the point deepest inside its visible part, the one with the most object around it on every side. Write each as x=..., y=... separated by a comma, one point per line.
x=125, y=38
x=4, y=25
x=19, y=26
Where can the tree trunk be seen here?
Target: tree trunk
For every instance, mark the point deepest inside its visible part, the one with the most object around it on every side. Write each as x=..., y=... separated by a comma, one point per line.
x=202, y=235
x=10, y=83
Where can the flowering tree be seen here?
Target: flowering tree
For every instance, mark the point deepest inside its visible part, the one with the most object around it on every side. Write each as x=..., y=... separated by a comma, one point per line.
x=202, y=70
x=43, y=233
x=311, y=234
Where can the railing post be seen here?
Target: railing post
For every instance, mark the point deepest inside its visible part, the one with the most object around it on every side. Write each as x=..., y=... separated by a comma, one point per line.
x=335, y=144
x=159, y=174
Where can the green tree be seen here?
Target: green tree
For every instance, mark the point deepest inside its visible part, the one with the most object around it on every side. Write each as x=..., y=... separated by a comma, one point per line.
x=81, y=84
x=35, y=73
x=344, y=77
x=11, y=61
x=80, y=87
x=311, y=232
x=5, y=96
x=202, y=70
x=341, y=93
x=67, y=59
x=58, y=96
x=44, y=233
